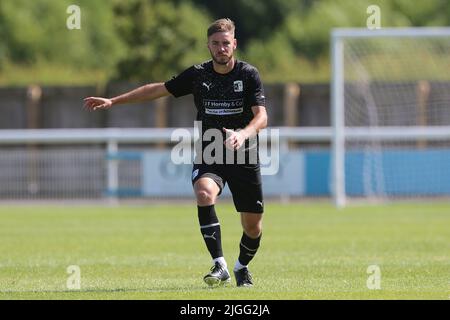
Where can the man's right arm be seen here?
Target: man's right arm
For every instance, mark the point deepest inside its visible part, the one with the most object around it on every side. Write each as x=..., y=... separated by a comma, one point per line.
x=147, y=92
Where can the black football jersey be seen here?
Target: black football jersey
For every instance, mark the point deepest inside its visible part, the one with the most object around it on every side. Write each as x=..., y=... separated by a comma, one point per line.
x=222, y=100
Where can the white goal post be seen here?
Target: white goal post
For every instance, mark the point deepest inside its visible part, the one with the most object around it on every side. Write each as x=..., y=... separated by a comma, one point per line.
x=390, y=100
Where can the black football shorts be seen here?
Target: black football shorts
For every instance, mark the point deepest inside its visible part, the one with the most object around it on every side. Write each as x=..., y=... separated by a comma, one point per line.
x=244, y=181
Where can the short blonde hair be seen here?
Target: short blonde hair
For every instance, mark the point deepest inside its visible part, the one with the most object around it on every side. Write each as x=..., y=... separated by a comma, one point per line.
x=221, y=25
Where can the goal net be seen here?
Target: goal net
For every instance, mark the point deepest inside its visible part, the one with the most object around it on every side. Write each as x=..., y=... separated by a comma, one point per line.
x=391, y=113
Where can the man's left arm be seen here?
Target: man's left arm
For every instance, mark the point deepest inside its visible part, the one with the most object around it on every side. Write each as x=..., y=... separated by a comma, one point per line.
x=236, y=139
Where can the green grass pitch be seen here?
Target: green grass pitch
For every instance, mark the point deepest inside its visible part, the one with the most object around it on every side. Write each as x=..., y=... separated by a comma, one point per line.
x=308, y=251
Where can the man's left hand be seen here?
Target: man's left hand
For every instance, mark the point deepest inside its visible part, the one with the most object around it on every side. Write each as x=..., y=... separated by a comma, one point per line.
x=235, y=139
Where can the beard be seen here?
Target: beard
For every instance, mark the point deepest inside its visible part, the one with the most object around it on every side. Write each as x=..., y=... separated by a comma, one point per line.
x=223, y=59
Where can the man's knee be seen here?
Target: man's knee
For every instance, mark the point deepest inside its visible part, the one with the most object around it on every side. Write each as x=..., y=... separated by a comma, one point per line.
x=253, y=230
x=206, y=193
x=205, y=196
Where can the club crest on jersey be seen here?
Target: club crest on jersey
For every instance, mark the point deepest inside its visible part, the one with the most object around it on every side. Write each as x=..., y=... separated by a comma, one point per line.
x=238, y=86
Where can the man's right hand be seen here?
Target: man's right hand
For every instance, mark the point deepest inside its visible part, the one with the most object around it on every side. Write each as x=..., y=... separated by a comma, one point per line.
x=94, y=103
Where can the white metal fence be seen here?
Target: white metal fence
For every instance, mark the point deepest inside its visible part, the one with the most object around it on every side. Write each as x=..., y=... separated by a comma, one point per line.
x=89, y=163
x=109, y=163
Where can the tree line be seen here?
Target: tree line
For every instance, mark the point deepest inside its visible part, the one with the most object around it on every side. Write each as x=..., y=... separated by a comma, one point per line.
x=152, y=40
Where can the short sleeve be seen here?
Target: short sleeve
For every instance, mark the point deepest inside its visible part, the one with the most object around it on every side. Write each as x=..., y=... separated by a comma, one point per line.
x=182, y=84
x=255, y=93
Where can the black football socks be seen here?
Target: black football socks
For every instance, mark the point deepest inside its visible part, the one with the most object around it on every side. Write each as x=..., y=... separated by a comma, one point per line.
x=248, y=248
x=210, y=229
